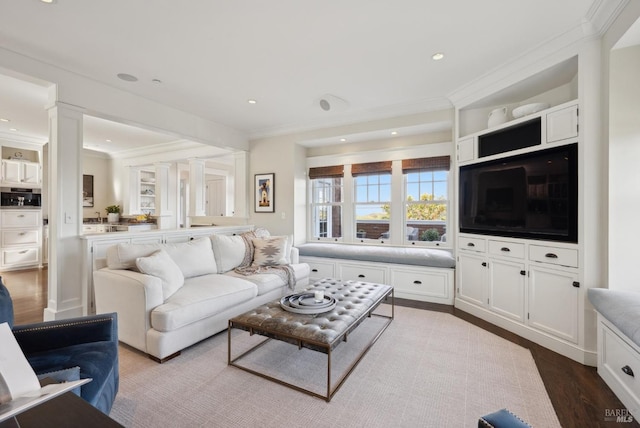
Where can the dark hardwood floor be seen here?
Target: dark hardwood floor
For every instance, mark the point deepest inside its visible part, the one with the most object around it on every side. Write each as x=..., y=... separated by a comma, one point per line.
x=579, y=396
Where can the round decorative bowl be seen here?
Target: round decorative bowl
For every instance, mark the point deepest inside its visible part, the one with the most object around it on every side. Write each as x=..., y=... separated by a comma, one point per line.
x=528, y=109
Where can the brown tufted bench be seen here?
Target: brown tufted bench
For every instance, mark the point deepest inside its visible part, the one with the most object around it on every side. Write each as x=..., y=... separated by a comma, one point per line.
x=322, y=332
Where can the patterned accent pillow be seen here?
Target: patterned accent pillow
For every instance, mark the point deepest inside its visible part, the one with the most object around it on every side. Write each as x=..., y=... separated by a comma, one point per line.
x=270, y=251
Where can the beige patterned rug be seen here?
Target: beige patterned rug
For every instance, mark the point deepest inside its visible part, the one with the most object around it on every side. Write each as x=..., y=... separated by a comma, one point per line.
x=428, y=369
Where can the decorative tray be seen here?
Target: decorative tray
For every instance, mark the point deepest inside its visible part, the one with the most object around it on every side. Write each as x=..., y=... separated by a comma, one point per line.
x=305, y=303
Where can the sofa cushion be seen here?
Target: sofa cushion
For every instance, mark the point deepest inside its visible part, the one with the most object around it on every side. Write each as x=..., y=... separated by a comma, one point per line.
x=229, y=251
x=160, y=265
x=123, y=256
x=199, y=298
x=267, y=282
x=270, y=251
x=194, y=258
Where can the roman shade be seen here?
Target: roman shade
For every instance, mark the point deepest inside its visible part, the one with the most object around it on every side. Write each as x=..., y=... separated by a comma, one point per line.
x=371, y=168
x=336, y=171
x=437, y=163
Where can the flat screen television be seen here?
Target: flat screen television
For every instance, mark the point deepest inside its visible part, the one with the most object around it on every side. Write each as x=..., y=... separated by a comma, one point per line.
x=532, y=195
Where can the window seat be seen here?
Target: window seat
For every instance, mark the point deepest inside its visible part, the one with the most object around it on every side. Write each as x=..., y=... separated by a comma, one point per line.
x=619, y=343
x=425, y=274
x=620, y=308
x=429, y=257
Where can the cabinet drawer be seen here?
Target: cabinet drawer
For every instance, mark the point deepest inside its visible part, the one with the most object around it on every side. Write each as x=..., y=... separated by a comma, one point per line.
x=20, y=219
x=507, y=249
x=420, y=283
x=20, y=237
x=19, y=257
x=472, y=244
x=320, y=269
x=554, y=255
x=362, y=273
x=616, y=355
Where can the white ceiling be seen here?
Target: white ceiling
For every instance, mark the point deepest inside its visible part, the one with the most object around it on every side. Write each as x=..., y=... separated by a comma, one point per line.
x=212, y=56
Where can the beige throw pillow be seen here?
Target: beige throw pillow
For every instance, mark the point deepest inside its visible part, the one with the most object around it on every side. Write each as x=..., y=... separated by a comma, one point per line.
x=270, y=251
x=160, y=265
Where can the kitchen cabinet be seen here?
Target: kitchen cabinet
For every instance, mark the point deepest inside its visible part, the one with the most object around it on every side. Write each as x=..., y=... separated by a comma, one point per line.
x=20, y=238
x=21, y=173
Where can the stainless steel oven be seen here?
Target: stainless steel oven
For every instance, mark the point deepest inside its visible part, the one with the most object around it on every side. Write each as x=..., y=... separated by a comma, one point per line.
x=15, y=197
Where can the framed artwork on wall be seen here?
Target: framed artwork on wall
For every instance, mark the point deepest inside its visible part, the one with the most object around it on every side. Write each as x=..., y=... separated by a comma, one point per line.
x=265, y=193
x=87, y=190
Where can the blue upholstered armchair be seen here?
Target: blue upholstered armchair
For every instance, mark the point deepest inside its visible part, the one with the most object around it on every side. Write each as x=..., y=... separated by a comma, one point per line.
x=90, y=343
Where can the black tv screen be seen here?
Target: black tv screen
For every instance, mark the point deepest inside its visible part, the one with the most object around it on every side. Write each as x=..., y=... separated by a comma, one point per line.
x=532, y=195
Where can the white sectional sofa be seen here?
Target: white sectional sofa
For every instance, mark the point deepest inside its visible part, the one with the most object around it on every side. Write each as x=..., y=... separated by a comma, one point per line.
x=171, y=296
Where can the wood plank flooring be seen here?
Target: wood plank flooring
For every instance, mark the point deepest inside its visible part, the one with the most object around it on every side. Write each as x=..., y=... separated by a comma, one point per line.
x=579, y=396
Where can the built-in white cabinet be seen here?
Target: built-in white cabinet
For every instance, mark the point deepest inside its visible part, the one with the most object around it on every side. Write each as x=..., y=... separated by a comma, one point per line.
x=21, y=173
x=466, y=149
x=427, y=284
x=20, y=238
x=553, y=301
x=562, y=124
x=535, y=285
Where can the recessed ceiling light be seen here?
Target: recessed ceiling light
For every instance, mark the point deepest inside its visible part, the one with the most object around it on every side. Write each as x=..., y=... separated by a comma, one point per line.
x=252, y=101
x=13, y=129
x=108, y=141
x=48, y=1
x=394, y=132
x=127, y=77
x=437, y=56
x=2, y=119
x=342, y=140
x=156, y=81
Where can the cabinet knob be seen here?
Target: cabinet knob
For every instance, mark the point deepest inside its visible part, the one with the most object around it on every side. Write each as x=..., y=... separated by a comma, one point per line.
x=523, y=272
x=470, y=244
x=314, y=270
x=417, y=282
x=576, y=284
x=361, y=276
x=484, y=264
x=627, y=370
x=505, y=249
x=551, y=256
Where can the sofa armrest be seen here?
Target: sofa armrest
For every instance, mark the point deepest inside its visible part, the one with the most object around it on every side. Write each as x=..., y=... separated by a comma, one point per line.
x=132, y=295
x=47, y=336
x=295, y=255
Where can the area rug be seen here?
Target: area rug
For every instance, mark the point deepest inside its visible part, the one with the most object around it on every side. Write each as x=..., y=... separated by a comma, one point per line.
x=428, y=369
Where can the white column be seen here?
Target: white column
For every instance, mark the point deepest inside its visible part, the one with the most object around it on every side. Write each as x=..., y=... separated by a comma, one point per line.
x=197, y=188
x=240, y=204
x=67, y=298
x=164, y=214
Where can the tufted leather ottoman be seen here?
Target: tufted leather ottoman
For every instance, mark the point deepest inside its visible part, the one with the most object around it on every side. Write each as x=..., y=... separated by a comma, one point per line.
x=356, y=300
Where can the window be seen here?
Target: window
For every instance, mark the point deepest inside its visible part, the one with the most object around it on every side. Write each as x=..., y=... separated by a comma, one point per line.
x=391, y=202
x=372, y=199
x=326, y=201
x=427, y=200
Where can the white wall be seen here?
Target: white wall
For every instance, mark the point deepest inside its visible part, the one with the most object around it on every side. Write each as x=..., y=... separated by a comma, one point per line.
x=99, y=166
x=624, y=176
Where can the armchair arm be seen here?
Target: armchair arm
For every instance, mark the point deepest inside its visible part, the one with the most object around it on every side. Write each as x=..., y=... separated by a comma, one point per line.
x=58, y=334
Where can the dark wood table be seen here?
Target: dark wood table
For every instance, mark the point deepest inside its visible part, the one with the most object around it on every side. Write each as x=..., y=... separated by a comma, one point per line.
x=66, y=411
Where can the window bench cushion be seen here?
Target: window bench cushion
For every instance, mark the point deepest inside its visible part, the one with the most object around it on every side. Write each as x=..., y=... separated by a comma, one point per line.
x=401, y=255
x=621, y=308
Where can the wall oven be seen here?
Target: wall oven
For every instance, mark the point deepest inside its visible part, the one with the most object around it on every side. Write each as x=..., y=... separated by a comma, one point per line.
x=15, y=197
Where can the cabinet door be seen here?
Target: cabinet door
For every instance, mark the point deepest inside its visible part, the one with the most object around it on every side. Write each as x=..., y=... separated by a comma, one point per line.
x=507, y=288
x=562, y=124
x=11, y=171
x=472, y=278
x=553, y=302
x=30, y=173
x=466, y=149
